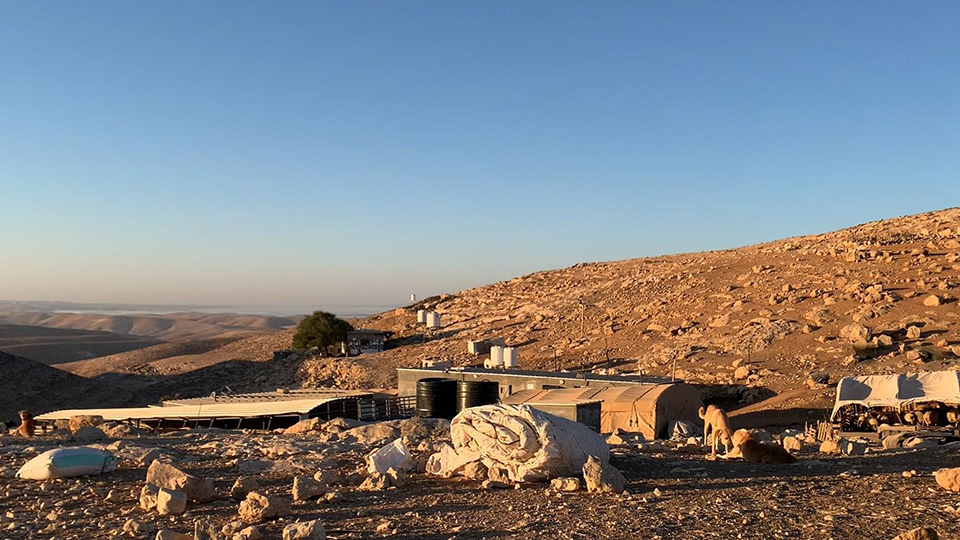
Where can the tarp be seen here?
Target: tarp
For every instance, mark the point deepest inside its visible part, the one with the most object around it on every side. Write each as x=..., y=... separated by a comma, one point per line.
x=520, y=443
x=647, y=409
x=897, y=390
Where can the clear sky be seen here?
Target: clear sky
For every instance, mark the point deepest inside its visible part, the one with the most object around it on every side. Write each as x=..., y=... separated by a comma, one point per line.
x=301, y=153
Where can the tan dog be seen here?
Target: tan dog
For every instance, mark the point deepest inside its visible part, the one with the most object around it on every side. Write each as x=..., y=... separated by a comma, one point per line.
x=716, y=423
x=754, y=451
x=27, y=425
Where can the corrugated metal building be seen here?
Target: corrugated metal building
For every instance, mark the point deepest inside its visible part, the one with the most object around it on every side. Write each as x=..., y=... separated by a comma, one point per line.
x=515, y=380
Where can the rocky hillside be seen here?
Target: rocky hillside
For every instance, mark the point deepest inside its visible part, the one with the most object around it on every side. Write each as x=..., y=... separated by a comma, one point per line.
x=878, y=297
x=776, y=322
x=31, y=385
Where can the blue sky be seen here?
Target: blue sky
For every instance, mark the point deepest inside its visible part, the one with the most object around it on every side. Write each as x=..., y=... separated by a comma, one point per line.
x=300, y=153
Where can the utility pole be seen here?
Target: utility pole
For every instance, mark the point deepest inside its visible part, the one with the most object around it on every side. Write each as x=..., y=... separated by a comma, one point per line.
x=583, y=307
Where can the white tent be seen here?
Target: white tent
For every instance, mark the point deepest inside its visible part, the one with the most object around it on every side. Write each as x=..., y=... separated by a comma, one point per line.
x=898, y=390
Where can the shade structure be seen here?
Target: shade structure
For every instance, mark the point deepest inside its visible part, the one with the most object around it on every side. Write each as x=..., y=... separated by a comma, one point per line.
x=266, y=406
x=898, y=389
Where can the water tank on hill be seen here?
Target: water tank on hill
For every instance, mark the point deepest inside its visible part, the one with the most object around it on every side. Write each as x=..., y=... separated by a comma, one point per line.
x=437, y=398
x=509, y=357
x=421, y=316
x=476, y=393
x=433, y=319
x=496, y=356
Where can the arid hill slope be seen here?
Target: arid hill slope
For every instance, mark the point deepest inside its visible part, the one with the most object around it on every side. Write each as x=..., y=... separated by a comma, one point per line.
x=878, y=297
x=784, y=310
x=134, y=370
x=31, y=385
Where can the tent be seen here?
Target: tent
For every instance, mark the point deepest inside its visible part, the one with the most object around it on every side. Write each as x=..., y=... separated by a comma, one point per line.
x=897, y=390
x=646, y=409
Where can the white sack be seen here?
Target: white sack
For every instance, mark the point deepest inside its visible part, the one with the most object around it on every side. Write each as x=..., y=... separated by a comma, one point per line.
x=68, y=462
x=395, y=455
x=448, y=462
x=529, y=445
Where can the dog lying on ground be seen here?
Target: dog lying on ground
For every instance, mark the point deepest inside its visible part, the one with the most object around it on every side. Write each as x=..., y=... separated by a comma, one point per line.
x=754, y=451
x=27, y=425
x=716, y=423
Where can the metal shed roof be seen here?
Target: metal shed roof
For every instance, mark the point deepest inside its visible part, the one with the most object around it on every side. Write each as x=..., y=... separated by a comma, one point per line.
x=268, y=397
x=204, y=411
x=560, y=396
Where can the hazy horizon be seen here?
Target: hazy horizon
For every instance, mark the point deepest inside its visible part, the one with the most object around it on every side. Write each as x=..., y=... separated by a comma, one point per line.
x=341, y=310
x=344, y=153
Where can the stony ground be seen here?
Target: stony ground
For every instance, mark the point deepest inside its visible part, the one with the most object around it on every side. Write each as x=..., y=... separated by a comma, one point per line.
x=673, y=491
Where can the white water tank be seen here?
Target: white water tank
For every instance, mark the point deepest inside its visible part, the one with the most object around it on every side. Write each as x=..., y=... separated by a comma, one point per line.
x=433, y=319
x=496, y=356
x=509, y=357
x=421, y=316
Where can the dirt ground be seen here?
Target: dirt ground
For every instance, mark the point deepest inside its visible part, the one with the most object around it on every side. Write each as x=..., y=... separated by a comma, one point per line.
x=671, y=492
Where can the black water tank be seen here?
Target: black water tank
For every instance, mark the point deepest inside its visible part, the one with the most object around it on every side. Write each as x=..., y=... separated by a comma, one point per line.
x=437, y=398
x=476, y=393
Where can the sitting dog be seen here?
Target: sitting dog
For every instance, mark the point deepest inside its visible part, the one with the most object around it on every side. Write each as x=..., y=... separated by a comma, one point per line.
x=27, y=425
x=754, y=451
x=716, y=423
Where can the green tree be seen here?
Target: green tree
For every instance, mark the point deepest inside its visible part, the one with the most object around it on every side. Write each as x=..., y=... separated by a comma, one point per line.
x=321, y=330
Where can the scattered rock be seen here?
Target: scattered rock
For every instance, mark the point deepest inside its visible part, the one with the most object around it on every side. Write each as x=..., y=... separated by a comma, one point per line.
x=136, y=527
x=307, y=530
x=80, y=421
x=855, y=332
x=602, y=477
x=792, y=444
x=305, y=426
x=565, y=484
x=148, y=497
x=205, y=529
x=244, y=485
x=919, y=533
x=741, y=372
x=89, y=434
x=257, y=508
x=829, y=447
x=495, y=484
x=167, y=534
x=949, y=478
x=247, y=533
x=171, y=502
x=163, y=474
x=375, y=482
x=305, y=488
x=398, y=477
x=931, y=301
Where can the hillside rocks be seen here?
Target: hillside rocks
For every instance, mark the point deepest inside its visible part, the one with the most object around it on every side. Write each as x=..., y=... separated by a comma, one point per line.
x=310, y=530
x=949, y=478
x=257, y=508
x=602, y=477
x=920, y=533
x=171, y=501
x=167, y=476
